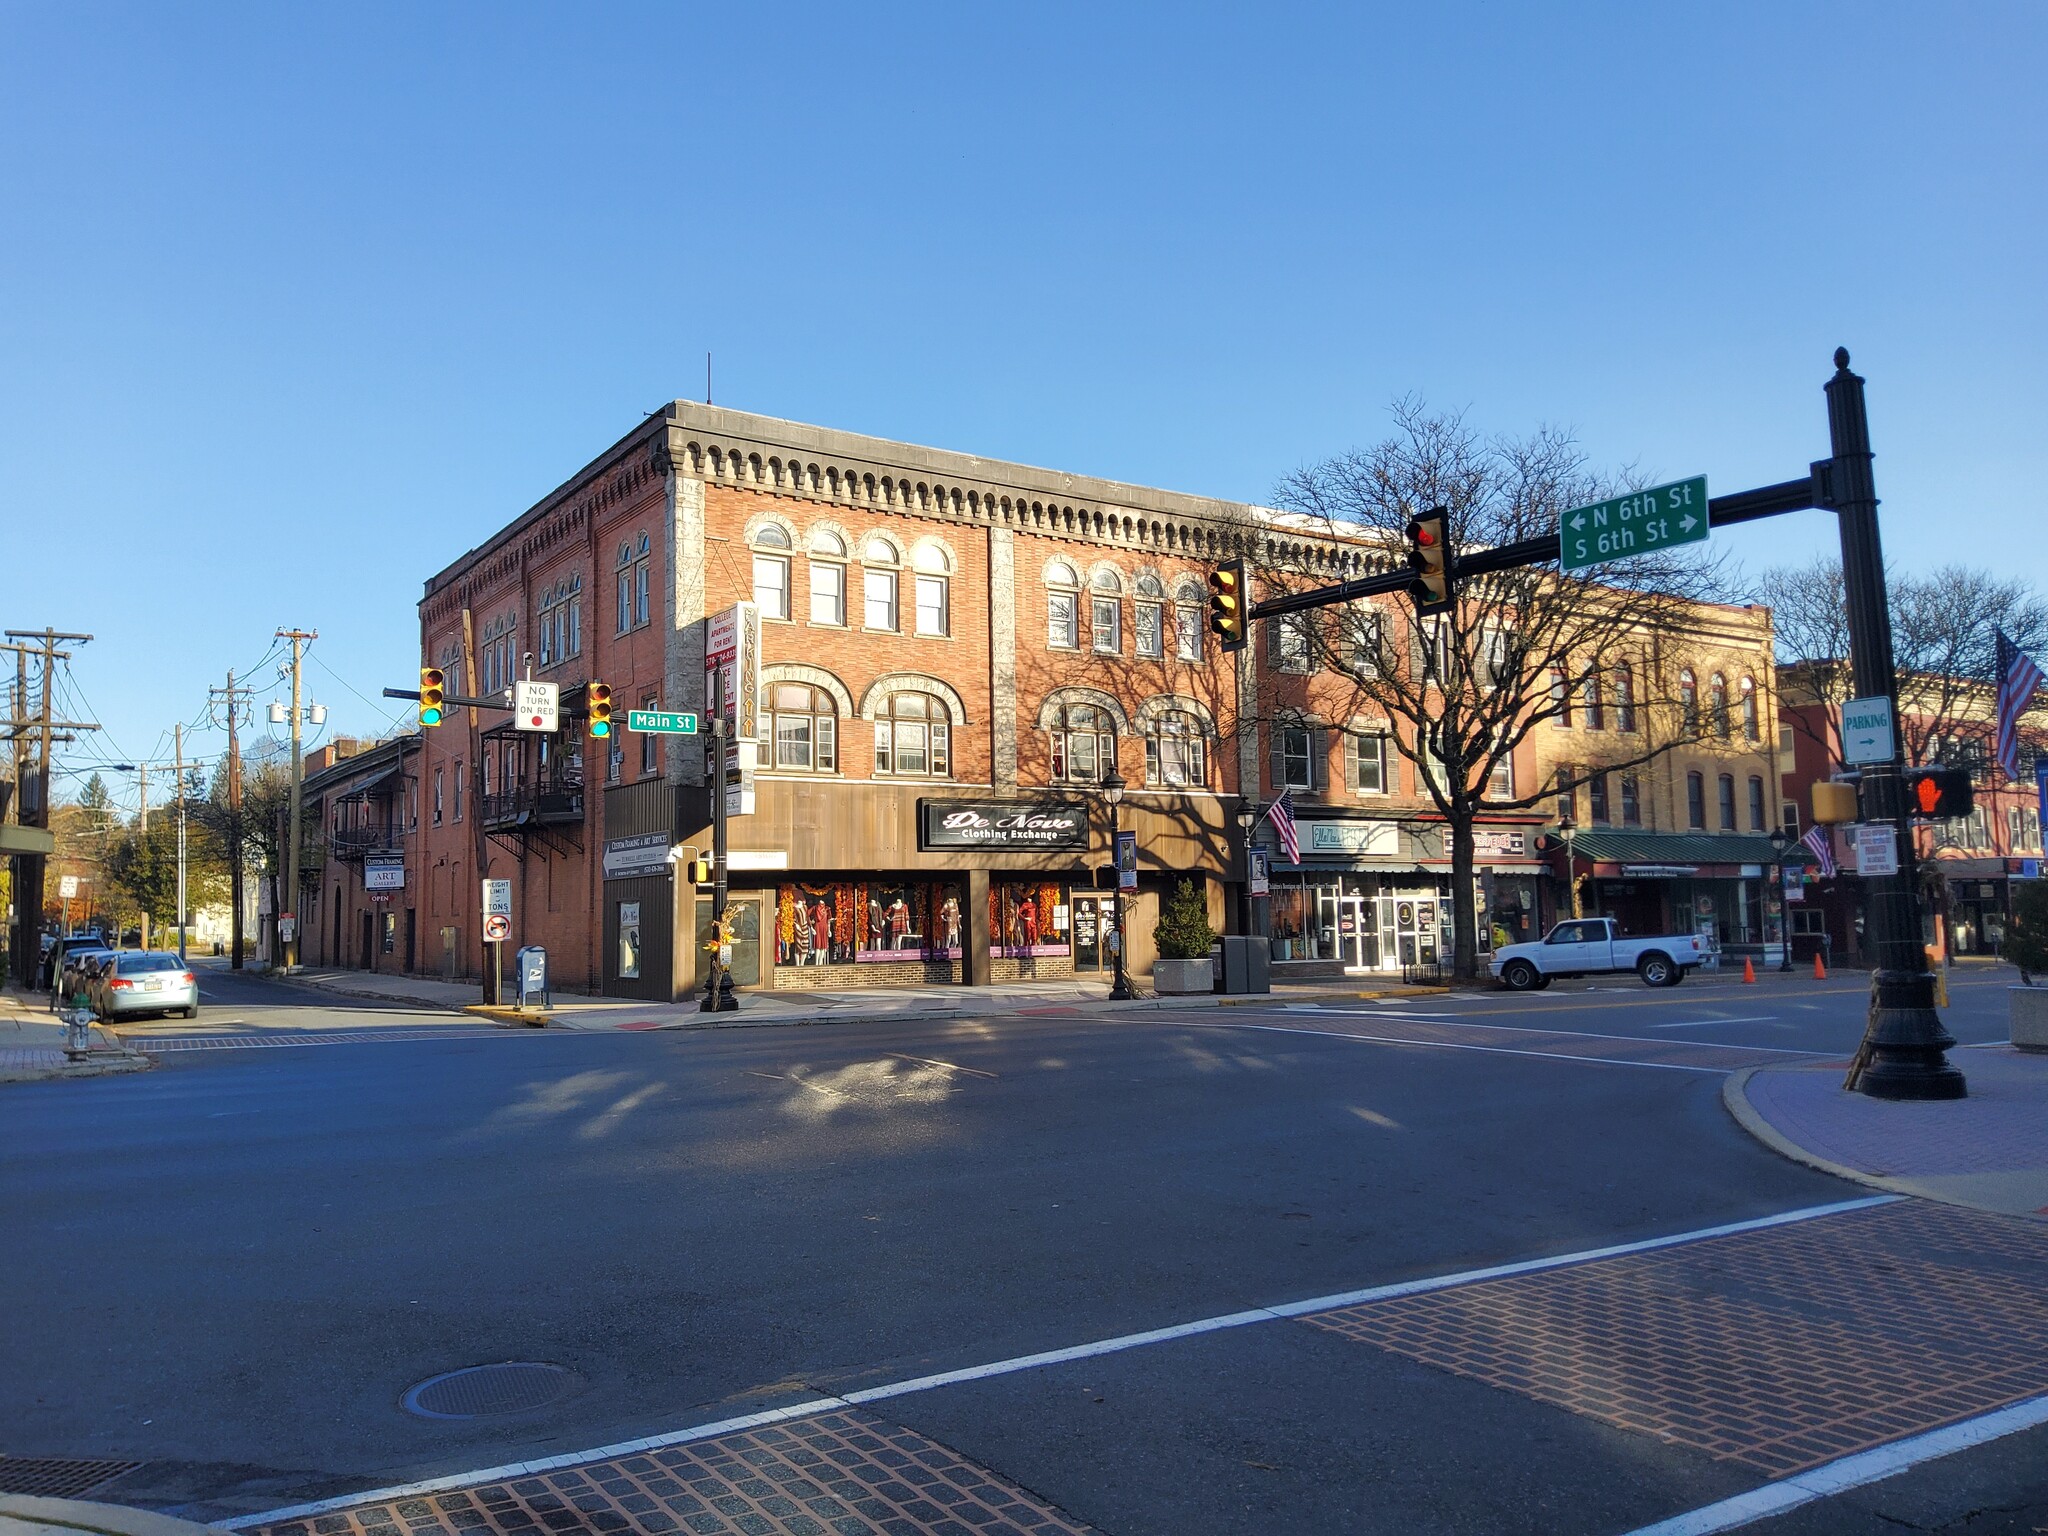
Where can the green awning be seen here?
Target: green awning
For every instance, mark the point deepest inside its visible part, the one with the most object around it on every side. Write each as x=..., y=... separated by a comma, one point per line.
x=1621, y=847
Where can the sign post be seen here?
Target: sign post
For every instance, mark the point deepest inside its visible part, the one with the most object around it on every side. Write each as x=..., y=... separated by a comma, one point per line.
x=497, y=928
x=1639, y=523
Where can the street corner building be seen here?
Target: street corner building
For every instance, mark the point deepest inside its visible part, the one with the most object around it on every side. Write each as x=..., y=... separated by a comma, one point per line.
x=931, y=663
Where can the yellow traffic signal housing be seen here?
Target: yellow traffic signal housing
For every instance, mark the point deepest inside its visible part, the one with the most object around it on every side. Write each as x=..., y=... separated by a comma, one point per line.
x=433, y=692
x=1939, y=793
x=598, y=696
x=1834, y=805
x=1429, y=556
x=700, y=871
x=1228, y=605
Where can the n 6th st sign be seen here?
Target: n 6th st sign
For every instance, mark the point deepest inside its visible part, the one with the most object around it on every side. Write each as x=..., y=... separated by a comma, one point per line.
x=1636, y=524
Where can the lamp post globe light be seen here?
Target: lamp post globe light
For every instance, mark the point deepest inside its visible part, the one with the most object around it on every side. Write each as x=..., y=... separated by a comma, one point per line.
x=1781, y=844
x=1113, y=792
x=1247, y=819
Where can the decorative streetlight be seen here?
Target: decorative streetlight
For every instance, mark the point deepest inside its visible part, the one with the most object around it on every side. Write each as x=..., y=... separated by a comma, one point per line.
x=1247, y=818
x=1781, y=844
x=1113, y=792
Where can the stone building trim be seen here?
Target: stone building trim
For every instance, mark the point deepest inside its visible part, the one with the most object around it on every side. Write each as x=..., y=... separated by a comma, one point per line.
x=1059, y=698
x=912, y=682
x=817, y=677
x=1160, y=704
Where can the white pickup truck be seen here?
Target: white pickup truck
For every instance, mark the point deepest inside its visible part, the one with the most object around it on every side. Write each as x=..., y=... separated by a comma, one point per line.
x=1589, y=946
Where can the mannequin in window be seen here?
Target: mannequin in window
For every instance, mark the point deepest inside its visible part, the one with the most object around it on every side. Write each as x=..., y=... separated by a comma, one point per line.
x=949, y=922
x=1027, y=921
x=801, y=938
x=821, y=930
x=899, y=922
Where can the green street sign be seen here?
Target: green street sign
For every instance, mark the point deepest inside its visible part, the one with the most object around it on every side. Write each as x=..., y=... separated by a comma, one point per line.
x=1636, y=524
x=657, y=722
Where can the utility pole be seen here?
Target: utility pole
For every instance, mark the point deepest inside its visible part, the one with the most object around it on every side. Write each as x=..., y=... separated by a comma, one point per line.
x=290, y=946
x=34, y=810
x=178, y=758
x=232, y=697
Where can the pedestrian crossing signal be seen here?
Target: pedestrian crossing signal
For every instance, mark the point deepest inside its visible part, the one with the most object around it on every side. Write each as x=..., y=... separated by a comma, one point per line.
x=432, y=694
x=1227, y=588
x=1939, y=793
x=599, y=697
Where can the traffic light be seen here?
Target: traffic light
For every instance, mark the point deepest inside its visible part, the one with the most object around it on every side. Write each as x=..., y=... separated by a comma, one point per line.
x=1939, y=793
x=432, y=691
x=1429, y=556
x=700, y=871
x=1227, y=596
x=1835, y=805
x=598, y=696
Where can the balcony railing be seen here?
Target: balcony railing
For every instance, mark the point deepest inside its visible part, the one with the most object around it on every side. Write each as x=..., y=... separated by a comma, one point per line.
x=352, y=844
x=534, y=805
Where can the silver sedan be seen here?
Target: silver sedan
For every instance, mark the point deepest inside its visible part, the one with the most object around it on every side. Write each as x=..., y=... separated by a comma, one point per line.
x=146, y=981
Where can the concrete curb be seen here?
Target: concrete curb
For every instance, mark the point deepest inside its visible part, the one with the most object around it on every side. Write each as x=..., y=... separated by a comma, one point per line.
x=113, y=1064
x=1735, y=1098
x=362, y=993
x=24, y=1515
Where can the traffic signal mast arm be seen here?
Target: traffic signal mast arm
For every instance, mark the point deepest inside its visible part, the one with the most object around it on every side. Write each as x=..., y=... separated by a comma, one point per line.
x=1722, y=511
x=456, y=700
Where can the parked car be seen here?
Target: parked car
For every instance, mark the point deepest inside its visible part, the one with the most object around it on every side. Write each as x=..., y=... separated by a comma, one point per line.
x=146, y=981
x=1589, y=946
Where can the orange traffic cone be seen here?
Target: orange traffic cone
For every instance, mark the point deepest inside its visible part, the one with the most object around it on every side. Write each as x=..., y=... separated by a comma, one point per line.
x=1820, y=972
x=1748, y=971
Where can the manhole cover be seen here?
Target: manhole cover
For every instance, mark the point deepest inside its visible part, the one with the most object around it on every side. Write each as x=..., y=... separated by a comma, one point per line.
x=50, y=1477
x=482, y=1390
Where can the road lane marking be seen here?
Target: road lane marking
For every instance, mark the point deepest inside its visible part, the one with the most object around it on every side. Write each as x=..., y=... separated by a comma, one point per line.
x=926, y=1061
x=1860, y=1470
x=1747, y=1018
x=1281, y=1312
x=1495, y=1050
x=1525, y=1029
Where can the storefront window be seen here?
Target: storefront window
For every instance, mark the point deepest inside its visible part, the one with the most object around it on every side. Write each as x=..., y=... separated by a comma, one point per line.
x=1026, y=919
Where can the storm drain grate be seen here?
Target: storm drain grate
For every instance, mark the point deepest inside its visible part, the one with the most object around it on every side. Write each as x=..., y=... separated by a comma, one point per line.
x=51, y=1477
x=479, y=1391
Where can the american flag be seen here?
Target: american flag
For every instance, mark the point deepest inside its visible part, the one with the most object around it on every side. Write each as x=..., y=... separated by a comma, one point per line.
x=2018, y=681
x=1282, y=812
x=1821, y=844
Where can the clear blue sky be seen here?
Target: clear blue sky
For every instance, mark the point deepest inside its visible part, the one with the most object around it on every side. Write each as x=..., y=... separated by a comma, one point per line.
x=297, y=303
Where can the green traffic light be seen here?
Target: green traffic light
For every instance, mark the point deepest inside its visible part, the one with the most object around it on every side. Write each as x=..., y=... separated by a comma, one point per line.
x=430, y=717
x=600, y=728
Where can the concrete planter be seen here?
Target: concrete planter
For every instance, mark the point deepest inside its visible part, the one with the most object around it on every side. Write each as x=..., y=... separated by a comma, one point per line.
x=1178, y=978
x=2029, y=1017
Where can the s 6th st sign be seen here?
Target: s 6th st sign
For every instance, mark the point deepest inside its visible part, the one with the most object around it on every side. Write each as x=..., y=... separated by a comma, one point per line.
x=1636, y=524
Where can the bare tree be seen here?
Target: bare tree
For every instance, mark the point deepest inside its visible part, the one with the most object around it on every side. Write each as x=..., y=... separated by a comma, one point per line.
x=1518, y=648
x=1945, y=625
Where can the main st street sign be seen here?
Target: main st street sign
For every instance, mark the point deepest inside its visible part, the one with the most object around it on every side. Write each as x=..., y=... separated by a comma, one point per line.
x=1636, y=524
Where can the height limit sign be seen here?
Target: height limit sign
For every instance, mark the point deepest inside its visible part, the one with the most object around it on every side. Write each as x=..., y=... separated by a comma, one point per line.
x=1639, y=523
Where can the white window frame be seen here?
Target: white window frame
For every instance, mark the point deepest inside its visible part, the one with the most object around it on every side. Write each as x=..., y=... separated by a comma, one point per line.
x=878, y=590
x=1284, y=759
x=1187, y=632
x=1105, y=624
x=833, y=592
x=773, y=598
x=934, y=607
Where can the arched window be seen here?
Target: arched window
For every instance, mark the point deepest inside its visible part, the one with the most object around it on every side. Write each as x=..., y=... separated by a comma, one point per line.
x=934, y=608
x=804, y=727
x=1188, y=604
x=1062, y=607
x=912, y=737
x=1751, y=730
x=828, y=577
x=1174, y=753
x=1083, y=744
x=1696, y=801
x=1106, y=613
x=771, y=571
x=547, y=629
x=1596, y=706
x=1624, y=697
x=1717, y=700
x=1726, y=786
x=1689, y=699
x=1151, y=618
x=878, y=584
x=632, y=579
x=573, y=618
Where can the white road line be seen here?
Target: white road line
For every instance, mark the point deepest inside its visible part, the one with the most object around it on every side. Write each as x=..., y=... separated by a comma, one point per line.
x=1747, y=1018
x=1833, y=1477
x=1585, y=1034
x=1490, y=1050
x=1122, y=1342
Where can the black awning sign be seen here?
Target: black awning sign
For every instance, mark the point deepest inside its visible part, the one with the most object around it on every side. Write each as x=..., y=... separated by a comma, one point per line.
x=1005, y=826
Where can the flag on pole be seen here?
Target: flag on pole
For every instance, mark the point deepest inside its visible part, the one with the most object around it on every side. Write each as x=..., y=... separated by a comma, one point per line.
x=1282, y=813
x=1821, y=844
x=2018, y=681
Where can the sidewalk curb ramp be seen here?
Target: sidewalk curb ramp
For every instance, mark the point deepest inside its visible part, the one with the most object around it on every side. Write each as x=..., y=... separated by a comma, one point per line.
x=24, y=1515
x=1736, y=1099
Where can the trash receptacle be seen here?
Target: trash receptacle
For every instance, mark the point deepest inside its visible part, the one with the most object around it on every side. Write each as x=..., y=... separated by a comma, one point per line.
x=530, y=972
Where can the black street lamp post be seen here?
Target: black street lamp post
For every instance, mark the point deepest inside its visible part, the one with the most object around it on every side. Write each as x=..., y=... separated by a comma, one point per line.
x=1113, y=792
x=1247, y=819
x=1781, y=842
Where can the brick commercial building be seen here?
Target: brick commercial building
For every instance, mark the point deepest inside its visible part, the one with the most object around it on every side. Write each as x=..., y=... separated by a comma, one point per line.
x=360, y=815
x=946, y=657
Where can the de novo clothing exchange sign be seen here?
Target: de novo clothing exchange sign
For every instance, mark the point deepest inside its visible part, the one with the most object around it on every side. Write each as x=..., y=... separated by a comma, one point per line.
x=1003, y=826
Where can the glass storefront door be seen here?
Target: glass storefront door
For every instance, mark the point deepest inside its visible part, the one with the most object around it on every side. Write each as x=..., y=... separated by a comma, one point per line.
x=1408, y=928
x=1092, y=917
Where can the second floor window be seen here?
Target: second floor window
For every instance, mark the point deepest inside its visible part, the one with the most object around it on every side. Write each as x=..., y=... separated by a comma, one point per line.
x=1596, y=798
x=1174, y=753
x=1367, y=752
x=1106, y=614
x=1696, y=801
x=1296, y=753
x=650, y=744
x=1083, y=744
x=912, y=737
x=1187, y=632
x=1151, y=618
x=1631, y=801
x=1726, y=788
x=1756, y=805
x=804, y=726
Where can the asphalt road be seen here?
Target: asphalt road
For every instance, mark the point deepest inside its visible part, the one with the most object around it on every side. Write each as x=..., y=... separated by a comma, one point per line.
x=231, y=1269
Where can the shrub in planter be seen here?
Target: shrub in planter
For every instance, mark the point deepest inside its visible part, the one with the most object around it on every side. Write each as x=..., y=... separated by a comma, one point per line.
x=1184, y=932
x=2026, y=941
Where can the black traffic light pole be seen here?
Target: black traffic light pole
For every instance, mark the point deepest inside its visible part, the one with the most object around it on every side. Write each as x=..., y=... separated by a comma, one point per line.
x=1904, y=1040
